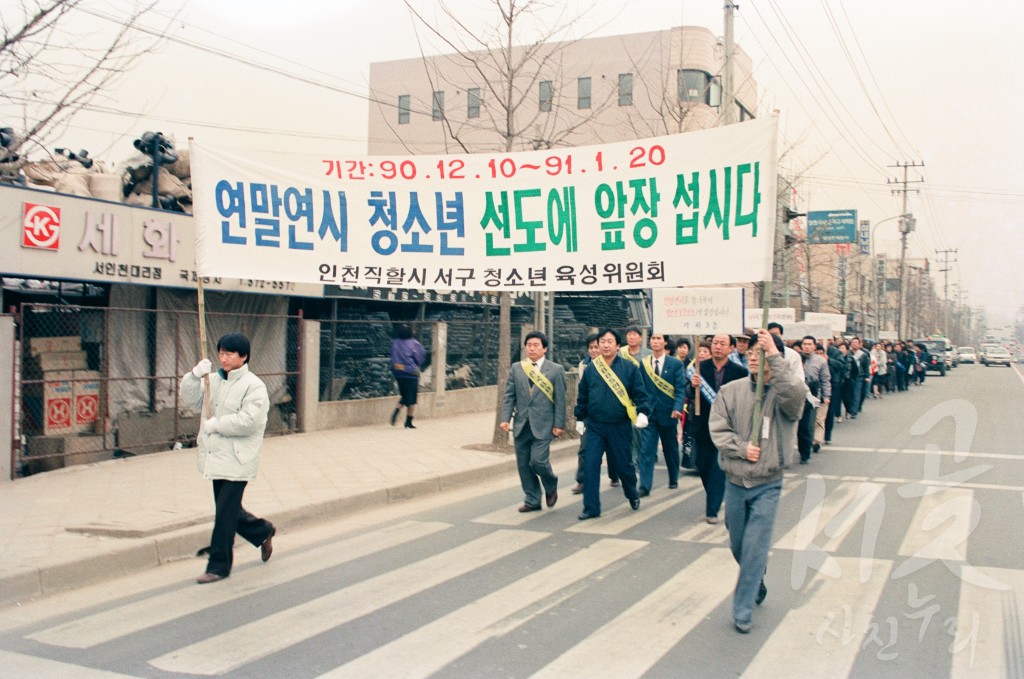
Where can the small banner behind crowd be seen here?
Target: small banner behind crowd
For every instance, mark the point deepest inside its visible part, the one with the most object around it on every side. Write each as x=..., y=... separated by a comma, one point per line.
x=688, y=209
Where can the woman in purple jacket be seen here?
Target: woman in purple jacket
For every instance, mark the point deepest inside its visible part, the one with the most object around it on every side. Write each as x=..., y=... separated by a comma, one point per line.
x=407, y=357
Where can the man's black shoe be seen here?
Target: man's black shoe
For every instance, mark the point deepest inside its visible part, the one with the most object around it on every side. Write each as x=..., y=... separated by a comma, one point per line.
x=584, y=516
x=635, y=504
x=816, y=447
x=643, y=492
x=762, y=592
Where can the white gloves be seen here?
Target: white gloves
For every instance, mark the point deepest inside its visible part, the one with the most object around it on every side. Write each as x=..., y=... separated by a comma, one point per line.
x=641, y=421
x=211, y=425
x=580, y=427
x=202, y=368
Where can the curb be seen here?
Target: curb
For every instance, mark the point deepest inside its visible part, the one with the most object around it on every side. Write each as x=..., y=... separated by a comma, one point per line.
x=183, y=542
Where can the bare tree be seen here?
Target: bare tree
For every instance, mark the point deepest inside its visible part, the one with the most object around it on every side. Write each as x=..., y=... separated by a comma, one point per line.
x=509, y=68
x=50, y=69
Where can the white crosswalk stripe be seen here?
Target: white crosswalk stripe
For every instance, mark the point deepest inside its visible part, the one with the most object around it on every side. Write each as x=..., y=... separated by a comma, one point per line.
x=111, y=624
x=15, y=665
x=820, y=638
x=431, y=647
x=509, y=516
x=621, y=517
x=989, y=636
x=247, y=643
x=665, y=615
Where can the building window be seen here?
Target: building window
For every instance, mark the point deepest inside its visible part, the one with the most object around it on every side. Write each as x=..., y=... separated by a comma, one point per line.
x=625, y=89
x=403, y=109
x=437, y=106
x=583, y=93
x=699, y=87
x=546, y=94
x=473, y=102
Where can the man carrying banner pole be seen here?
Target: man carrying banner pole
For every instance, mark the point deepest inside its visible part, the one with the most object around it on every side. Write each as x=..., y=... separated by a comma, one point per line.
x=611, y=399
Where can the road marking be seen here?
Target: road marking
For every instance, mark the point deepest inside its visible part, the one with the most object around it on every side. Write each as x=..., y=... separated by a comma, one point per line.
x=818, y=636
x=622, y=517
x=18, y=665
x=509, y=516
x=836, y=511
x=717, y=534
x=941, y=525
x=961, y=455
x=652, y=626
x=118, y=622
x=988, y=641
x=908, y=483
x=247, y=643
x=428, y=649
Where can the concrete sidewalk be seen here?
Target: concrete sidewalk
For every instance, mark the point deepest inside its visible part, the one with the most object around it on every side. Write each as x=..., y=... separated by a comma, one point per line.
x=79, y=525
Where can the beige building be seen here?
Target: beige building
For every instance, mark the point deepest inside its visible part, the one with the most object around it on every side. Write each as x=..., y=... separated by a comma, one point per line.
x=591, y=91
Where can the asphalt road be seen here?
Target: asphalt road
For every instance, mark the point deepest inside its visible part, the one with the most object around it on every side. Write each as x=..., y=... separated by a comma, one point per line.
x=896, y=553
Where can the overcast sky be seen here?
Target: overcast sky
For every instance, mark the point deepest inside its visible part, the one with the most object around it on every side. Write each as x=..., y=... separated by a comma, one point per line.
x=859, y=85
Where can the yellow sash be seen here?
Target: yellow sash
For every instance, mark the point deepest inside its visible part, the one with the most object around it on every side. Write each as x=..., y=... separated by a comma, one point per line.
x=658, y=380
x=538, y=379
x=624, y=352
x=616, y=385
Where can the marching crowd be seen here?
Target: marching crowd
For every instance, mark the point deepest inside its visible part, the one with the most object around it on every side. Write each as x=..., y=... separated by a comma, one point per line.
x=698, y=403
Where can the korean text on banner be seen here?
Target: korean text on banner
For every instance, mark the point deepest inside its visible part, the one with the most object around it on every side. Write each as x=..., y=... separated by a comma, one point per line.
x=688, y=209
x=697, y=311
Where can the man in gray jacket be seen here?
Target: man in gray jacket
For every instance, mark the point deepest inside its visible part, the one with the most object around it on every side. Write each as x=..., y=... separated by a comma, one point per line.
x=230, y=439
x=754, y=470
x=535, y=395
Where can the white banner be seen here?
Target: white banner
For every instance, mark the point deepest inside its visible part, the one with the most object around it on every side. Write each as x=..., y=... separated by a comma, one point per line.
x=837, y=322
x=784, y=316
x=687, y=209
x=697, y=311
x=61, y=237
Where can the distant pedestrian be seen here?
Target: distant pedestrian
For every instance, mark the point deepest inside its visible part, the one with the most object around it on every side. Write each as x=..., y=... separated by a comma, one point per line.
x=407, y=359
x=754, y=469
x=535, y=399
x=229, y=445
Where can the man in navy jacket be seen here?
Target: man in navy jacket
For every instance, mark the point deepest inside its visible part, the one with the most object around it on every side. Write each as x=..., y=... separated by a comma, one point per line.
x=665, y=380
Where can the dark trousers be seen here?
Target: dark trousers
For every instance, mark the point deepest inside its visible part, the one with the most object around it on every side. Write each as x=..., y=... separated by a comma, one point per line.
x=615, y=439
x=851, y=391
x=805, y=432
x=581, y=463
x=835, y=409
x=711, y=475
x=231, y=518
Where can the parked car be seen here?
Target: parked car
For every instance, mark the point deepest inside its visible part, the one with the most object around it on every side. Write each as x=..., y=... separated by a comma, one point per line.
x=997, y=356
x=967, y=355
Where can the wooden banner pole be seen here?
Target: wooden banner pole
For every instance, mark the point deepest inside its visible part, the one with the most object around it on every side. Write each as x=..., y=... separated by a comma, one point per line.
x=755, y=430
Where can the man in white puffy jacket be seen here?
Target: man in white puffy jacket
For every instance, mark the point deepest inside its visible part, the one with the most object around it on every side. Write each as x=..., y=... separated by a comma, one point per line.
x=230, y=439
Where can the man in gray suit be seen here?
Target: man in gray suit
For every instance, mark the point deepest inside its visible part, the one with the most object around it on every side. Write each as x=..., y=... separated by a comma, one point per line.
x=535, y=393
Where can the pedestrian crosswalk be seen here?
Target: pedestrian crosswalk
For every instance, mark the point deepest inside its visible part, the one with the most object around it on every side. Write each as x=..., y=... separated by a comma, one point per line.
x=829, y=573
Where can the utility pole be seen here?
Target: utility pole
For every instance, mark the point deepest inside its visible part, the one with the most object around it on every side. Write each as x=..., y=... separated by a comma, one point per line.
x=945, y=285
x=906, y=226
x=728, y=88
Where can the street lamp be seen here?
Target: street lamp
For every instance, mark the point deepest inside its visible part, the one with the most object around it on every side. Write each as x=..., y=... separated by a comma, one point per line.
x=902, y=217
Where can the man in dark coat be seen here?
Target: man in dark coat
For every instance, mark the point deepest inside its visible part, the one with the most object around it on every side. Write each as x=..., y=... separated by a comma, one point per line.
x=611, y=395
x=713, y=374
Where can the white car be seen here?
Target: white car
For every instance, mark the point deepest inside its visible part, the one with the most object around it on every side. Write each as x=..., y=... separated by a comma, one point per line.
x=997, y=356
x=967, y=355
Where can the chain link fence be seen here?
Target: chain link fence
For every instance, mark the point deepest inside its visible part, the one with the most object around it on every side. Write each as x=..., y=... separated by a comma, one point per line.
x=97, y=383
